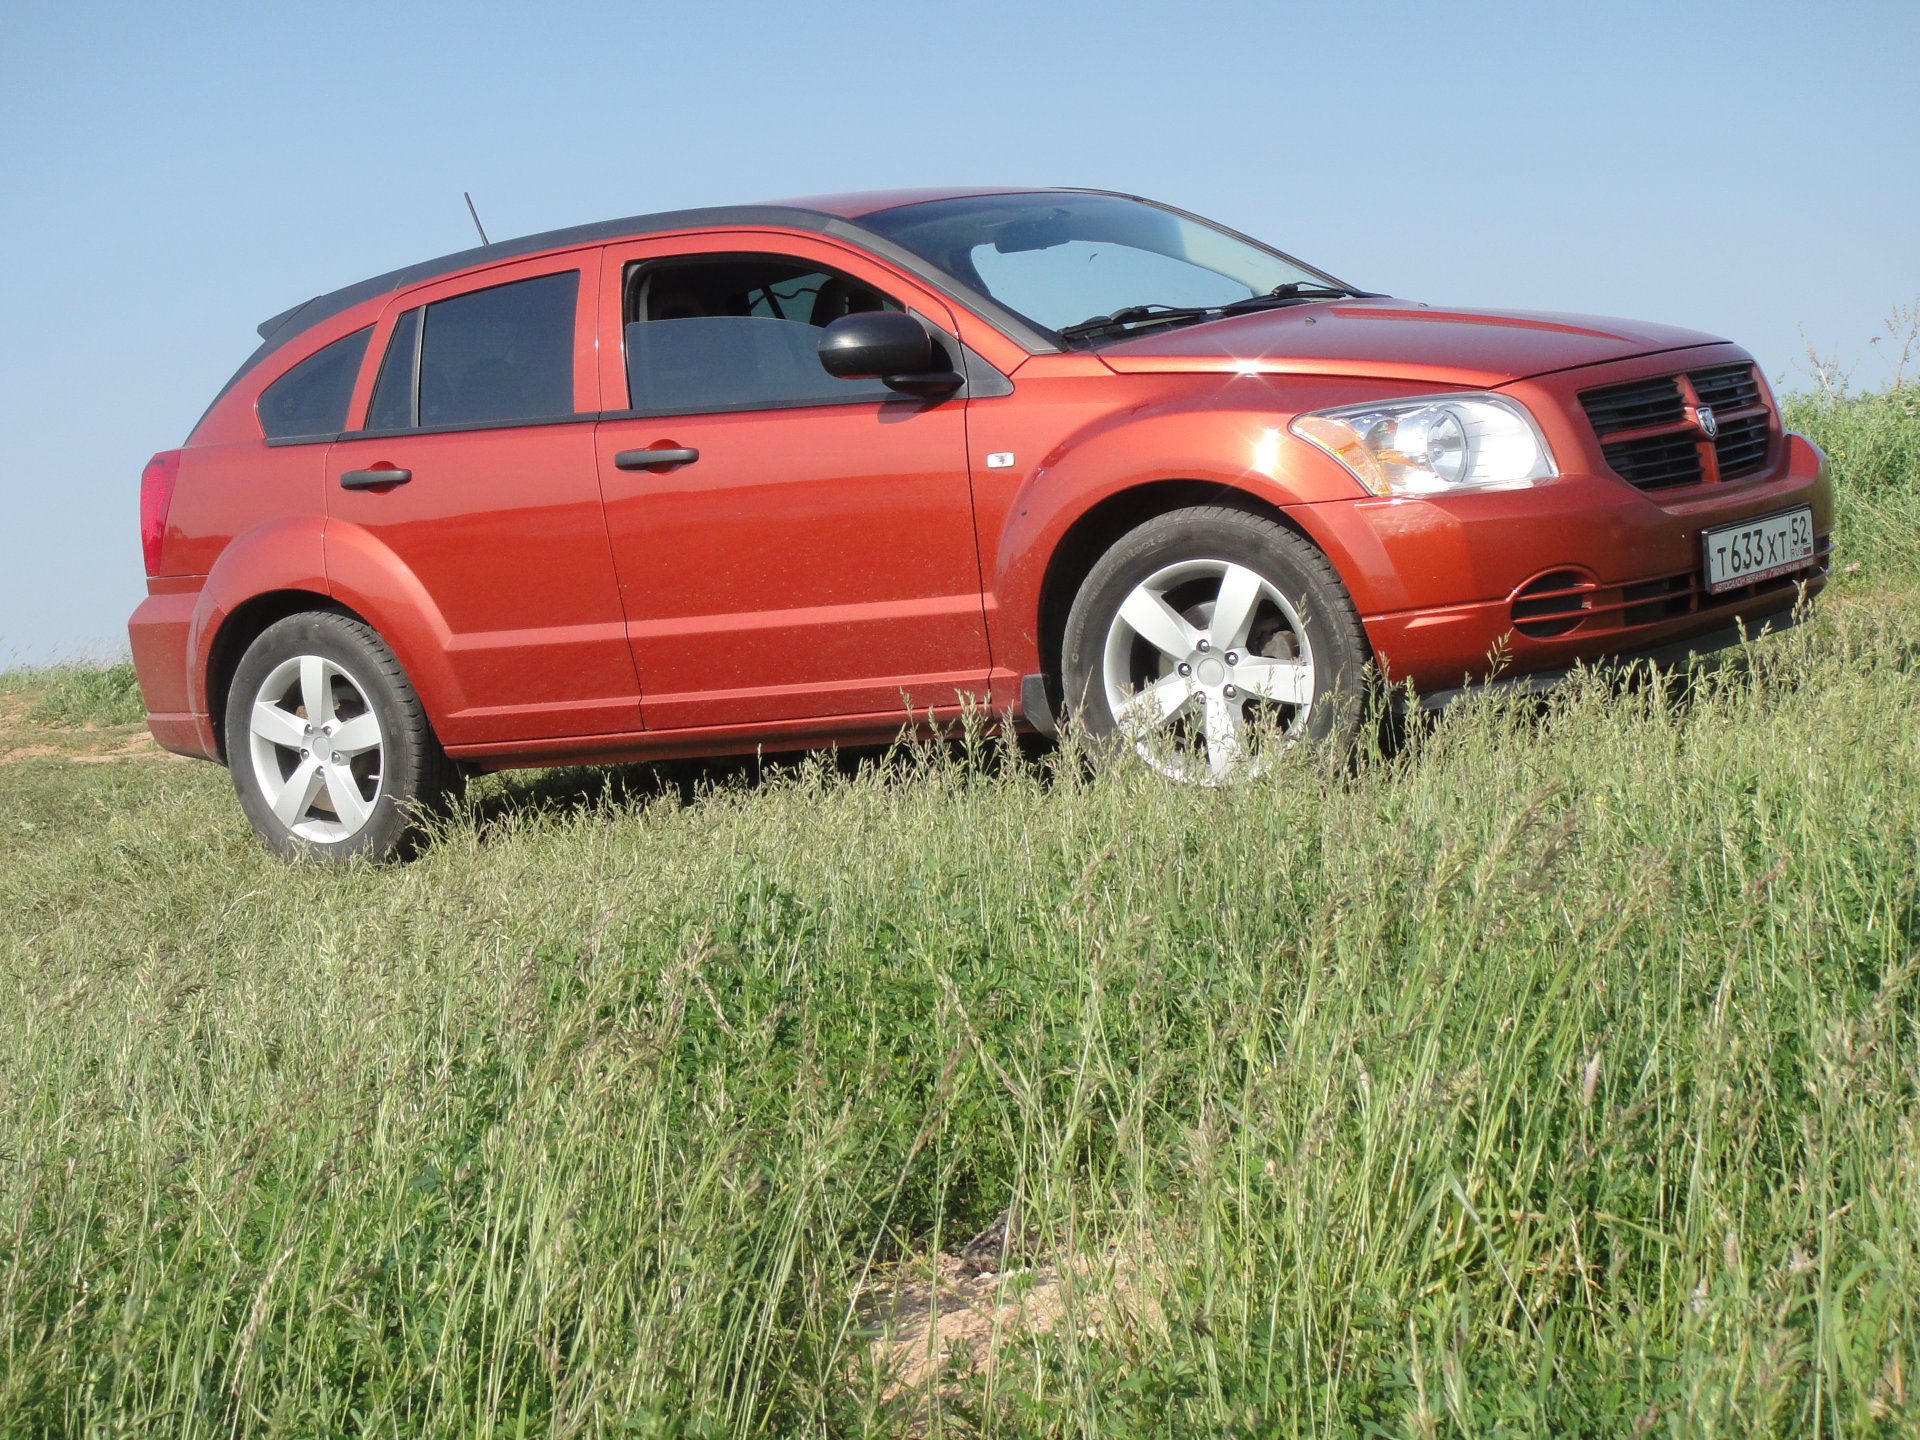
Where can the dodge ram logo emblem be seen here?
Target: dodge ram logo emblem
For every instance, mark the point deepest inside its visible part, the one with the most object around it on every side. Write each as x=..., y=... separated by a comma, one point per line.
x=1703, y=417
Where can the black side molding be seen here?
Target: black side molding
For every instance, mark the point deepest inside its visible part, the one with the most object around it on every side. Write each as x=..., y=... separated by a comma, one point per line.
x=1035, y=708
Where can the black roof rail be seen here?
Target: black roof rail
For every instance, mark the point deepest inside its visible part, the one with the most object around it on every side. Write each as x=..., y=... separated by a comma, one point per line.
x=291, y=323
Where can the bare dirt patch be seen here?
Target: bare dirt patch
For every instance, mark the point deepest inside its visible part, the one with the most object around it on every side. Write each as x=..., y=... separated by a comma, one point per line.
x=943, y=1319
x=137, y=746
x=27, y=752
x=21, y=739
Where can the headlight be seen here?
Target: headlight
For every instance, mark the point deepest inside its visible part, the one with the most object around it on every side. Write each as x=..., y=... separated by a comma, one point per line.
x=1432, y=444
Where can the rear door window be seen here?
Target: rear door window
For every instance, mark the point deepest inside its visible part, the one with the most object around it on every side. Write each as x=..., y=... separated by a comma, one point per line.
x=309, y=402
x=497, y=355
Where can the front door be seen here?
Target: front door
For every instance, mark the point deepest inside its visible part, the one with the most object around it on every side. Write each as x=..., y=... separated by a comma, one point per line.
x=809, y=549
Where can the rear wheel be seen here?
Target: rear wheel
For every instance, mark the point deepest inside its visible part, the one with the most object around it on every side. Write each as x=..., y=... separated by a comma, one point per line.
x=1208, y=640
x=331, y=752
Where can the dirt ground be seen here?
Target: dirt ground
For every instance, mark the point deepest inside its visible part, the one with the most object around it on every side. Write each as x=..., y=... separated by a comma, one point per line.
x=945, y=1317
x=22, y=738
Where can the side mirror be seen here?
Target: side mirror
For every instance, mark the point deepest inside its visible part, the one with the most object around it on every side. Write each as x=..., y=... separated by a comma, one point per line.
x=890, y=346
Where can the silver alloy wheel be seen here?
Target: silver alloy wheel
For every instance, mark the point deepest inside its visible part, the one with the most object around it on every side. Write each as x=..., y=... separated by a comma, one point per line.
x=316, y=747
x=1201, y=655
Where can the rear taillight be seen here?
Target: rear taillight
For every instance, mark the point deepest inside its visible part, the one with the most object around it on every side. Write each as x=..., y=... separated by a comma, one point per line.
x=156, y=498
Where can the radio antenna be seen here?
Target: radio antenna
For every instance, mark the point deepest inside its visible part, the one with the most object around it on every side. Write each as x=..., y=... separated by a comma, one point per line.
x=476, y=218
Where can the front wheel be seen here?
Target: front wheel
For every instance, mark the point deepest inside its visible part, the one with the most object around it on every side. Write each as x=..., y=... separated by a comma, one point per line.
x=329, y=747
x=1208, y=639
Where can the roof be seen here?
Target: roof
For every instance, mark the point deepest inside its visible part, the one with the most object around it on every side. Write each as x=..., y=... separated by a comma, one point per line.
x=815, y=212
x=824, y=214
x=852, y=204
x=310, y=312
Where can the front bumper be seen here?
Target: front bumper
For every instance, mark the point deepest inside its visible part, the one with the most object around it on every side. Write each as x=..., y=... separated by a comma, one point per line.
x=1446, y=586
x=1700, y=652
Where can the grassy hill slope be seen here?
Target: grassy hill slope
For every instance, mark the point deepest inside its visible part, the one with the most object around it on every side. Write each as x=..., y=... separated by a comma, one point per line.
x=1554, y=1075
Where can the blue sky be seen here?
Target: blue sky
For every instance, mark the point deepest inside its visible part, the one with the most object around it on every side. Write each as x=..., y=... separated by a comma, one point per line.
x=172, y=175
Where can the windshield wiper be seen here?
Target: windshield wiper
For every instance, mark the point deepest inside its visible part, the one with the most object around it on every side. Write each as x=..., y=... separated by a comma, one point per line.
x=1140, y=317
x=1137, y=316
x=1291, y=291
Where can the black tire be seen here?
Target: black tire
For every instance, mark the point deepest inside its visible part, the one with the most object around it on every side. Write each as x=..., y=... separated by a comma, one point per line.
x=1299, y=666
x=334, y=803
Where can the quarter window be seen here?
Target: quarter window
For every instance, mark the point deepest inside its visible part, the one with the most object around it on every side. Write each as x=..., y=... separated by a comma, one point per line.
x=739, y=332
x=310, y=400
x=392, y=407
x=500, y=354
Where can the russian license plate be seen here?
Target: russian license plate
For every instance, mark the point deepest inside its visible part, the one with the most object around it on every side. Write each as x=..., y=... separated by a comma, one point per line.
x=1758, y=549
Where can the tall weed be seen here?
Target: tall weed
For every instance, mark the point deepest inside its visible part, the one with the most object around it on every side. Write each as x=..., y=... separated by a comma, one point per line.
x=1553, y=1074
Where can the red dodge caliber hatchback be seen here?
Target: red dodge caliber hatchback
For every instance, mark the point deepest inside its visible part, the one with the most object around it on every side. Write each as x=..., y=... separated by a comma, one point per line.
x=785, y=475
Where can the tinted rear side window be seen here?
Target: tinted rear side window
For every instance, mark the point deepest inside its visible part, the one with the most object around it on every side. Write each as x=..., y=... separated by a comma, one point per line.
x=500, y=354
x=311, y=399
x=392, y=407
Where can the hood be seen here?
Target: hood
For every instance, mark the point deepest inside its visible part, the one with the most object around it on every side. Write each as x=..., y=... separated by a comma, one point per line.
x=1382, y=338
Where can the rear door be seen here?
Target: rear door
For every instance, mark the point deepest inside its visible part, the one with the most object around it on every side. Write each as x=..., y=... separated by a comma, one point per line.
x=812, y=554
x=485, y=401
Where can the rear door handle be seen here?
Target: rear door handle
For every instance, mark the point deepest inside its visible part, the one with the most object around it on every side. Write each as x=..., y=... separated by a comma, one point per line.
x=373, y=479
x=653, y=459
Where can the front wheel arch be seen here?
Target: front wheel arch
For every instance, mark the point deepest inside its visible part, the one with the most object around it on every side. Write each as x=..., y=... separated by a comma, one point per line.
x=1206, y=636
x=1105, y=525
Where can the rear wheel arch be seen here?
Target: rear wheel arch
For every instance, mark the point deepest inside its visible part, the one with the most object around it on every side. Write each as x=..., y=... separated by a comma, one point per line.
x=331, y=753
x=245, y=624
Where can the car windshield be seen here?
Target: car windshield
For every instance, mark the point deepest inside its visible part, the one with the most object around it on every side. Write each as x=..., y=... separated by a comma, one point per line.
x=1093, y=267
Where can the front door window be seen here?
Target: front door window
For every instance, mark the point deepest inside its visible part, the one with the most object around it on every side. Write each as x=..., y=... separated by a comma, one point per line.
x=738, y=333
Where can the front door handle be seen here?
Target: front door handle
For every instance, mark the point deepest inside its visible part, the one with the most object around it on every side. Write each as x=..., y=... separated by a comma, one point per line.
x=653, y=459
x=374, y=479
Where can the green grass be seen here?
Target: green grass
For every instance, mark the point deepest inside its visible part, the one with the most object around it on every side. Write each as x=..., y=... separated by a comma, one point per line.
x=78, y=694
x=1556, y=1075
x=1873, y=444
